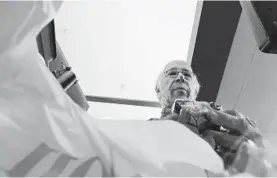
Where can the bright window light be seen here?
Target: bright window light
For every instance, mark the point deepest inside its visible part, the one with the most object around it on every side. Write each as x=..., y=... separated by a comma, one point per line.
x=118, y=47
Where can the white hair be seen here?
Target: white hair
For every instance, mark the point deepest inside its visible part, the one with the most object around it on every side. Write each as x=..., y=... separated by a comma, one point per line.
x=164, y=98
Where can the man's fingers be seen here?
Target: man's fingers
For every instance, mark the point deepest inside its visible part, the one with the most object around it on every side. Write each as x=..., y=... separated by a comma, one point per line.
x=224, y=139
x=228, y=121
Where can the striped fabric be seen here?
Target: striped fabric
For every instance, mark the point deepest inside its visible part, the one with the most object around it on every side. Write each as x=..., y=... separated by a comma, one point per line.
x=43, y=161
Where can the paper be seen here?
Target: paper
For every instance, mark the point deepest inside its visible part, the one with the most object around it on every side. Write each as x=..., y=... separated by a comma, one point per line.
x=161, y=143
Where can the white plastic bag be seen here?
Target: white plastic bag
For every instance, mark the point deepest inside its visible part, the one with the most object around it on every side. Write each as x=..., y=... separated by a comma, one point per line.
x=161, y=148
x=39, y=124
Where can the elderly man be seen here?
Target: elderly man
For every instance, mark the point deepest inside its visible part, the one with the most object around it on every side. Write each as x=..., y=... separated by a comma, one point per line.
x=223, y=129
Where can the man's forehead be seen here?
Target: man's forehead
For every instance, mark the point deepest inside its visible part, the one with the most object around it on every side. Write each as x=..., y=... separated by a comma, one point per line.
x=178, y=64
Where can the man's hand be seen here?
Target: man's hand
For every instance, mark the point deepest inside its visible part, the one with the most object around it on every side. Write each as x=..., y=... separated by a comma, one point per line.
x=233, y=121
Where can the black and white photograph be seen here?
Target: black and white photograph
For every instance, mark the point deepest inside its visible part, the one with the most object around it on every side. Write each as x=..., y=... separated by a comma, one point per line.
x=138, y=88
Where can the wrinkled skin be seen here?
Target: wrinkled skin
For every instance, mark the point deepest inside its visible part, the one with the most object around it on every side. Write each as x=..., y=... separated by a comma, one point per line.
x=177, y=81
x=240, y=127
x=233, y=121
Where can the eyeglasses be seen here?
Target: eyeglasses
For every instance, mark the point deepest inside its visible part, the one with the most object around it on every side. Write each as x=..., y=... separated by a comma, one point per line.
x=174, y=73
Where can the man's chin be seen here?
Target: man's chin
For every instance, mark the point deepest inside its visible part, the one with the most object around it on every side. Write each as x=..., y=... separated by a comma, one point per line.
x=180, y=94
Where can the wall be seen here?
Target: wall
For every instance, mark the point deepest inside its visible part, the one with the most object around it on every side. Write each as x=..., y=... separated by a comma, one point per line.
x=250, y=80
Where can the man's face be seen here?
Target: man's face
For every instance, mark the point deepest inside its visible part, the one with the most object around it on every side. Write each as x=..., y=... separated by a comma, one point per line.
x=177, y=82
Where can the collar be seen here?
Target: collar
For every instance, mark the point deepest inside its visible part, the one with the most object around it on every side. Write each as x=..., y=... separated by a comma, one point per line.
x=166, y=111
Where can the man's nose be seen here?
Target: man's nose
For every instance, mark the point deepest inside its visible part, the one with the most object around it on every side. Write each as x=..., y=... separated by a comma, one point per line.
x=180, y=77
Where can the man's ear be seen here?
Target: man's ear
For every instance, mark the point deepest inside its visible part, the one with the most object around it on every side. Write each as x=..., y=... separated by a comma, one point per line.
x=157, y=89
x=197, y=86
